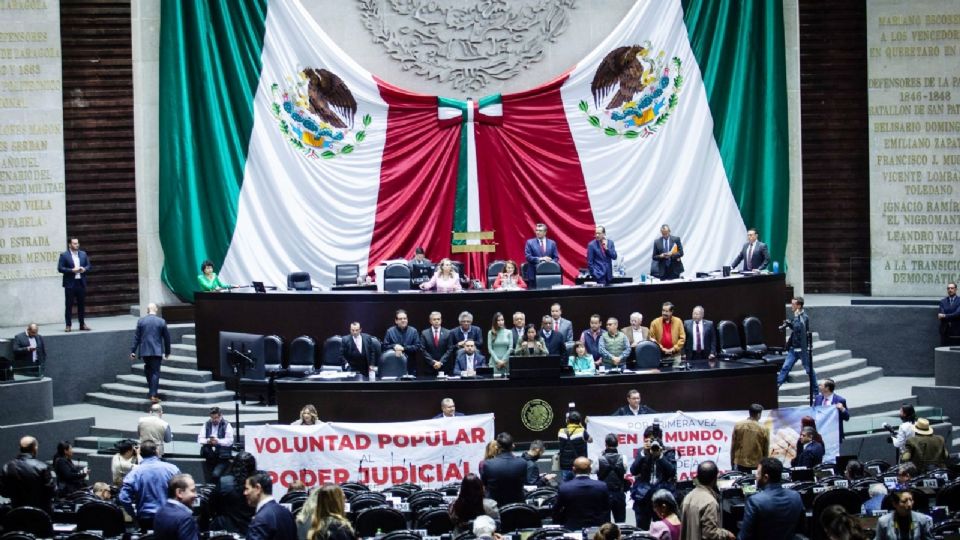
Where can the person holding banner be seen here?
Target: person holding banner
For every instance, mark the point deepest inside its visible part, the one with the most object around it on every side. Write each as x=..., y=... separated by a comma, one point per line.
x=448, y=409
x=633, y=407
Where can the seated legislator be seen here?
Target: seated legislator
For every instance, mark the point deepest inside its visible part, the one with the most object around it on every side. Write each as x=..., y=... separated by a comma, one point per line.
x=404, y=340
x=591, y=338
x=552, y=338
x=614, y=348
x=509, y=279
x=600, y=256
x=667, y=332
x=445, y=279
x=532, y=344
x=466, y=330
x=538, y=250
x=469, y=359
x=701, y=342
x=209, y=280
x=636, y=332
x=419, y=258
x=357, y=350
x=435, y=346
x=667, y=255
x=499, y=345
x=754, y=254
x=581, y=361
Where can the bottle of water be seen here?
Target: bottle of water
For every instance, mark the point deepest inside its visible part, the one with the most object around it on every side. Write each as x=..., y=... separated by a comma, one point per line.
x=776, y=267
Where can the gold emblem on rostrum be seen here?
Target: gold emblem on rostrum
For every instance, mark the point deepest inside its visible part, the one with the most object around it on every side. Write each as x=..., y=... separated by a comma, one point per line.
x=536, y=415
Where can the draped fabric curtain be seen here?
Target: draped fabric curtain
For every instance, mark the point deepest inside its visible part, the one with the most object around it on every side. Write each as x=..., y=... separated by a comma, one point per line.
x=209, y=69
x=740, y=48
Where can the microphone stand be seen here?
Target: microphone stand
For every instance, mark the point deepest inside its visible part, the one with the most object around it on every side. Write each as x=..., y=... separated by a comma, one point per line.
x=809, y=353
x=238, y=362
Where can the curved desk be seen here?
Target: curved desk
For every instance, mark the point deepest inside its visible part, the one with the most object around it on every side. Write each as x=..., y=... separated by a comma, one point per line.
x=323, y=314
x=533, y=409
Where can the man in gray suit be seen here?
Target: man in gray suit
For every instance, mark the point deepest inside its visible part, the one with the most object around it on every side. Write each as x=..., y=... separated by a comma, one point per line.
x=561, y=325
x=700, y=344
x=153, y=340
x=754, y=254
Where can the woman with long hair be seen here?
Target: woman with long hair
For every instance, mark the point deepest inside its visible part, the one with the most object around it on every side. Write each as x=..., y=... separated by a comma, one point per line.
x=329, y=517
x=532, y=344
x=232, y=513
x=499, y=345
x=70, y=476
x=471, y=503
x=308, y=416
x=510, y=278
x=445, y=279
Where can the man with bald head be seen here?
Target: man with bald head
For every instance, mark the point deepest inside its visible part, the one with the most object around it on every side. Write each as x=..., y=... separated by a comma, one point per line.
x=582, y=502
x=26, y=480
x=153, y=340
x=28, y=347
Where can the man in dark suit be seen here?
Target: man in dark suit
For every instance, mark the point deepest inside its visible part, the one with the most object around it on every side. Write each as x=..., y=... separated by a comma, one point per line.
x=174, y=520
x=949, y=315
x=827, y=398
x=504, y=475
x=434, y=342
x=812, y=451
x=564, y=326
x=28, y=347
x=357, y=350
x=448, y=409
x=634, y=407
x=773, y=513
x=466, y=331
x=538, y=250
x=754, y=254
x=519, y=328
x=404, y=340
x=552, y=339
x=582, y=502
x=153, y=340
x=468, y=359
x=600, y=256
x=701, y=343
x=667, y=255
x=74, y=265
x=271, y=521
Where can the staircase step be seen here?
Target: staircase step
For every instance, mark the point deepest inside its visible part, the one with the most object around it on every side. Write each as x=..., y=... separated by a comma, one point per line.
x=825, y=346
x=177, y=374
x=189, y=339
x=170, y=384
x=177, y=361
x=829, y=370
x=129, y=390
x=199, y=410
x=844, y=380
x=180, y=349
x=883, y=408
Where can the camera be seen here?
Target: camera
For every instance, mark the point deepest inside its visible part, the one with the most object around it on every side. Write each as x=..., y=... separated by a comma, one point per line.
x=655, y=446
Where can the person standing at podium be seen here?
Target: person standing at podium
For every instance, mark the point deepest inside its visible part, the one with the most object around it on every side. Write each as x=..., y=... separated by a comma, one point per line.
x=754, y=254
x=537, y=250
x=600, y=256
x=667, y=255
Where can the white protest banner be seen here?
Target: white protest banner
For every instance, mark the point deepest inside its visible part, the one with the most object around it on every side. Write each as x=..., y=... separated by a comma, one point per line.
x=426, y=452
x=702, y=436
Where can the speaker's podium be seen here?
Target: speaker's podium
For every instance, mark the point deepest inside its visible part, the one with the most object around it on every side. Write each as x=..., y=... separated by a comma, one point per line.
x=539, y=368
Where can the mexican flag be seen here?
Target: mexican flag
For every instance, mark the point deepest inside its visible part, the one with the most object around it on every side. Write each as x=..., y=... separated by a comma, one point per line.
x=280, y=153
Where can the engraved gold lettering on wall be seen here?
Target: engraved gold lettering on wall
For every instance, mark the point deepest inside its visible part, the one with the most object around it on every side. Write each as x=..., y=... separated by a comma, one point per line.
x=31, y=148
x=914, y=111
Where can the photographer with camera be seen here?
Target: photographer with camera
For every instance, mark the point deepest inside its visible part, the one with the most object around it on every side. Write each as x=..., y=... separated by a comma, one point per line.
x=906, y=429
x=797, y=345
x=651, y=471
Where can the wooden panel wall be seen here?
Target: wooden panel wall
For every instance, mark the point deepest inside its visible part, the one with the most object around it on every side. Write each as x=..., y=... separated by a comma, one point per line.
x=836, y=176
x=98, y=147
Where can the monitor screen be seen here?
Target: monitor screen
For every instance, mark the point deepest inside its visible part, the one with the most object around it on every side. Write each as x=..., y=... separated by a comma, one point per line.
x=243, y=353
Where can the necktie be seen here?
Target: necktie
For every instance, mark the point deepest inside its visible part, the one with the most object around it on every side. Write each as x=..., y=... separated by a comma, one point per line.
x=556, y=325
x=699, y=341
x=750, y=257
x=543, y=247
x=665, y=245
x=359, y=344
x=436, y=338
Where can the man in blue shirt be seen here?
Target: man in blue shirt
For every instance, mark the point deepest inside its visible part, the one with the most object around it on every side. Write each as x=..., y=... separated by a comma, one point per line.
x=145, y=487
x=773, y=513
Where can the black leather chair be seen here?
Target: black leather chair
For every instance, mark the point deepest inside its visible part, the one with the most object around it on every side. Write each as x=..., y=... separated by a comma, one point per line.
x=83, y=535
x=28, y=519
x=346, y=274
x=728, y=337
x=398, y=490
x=846, y=498
x=382, y=519
x=403, y=534
x=377, y=346
x=548, y=534
x=548, y=275
x=493, y=270
x=299, y=281
x=302, y=354
x=392, y=365
x=949, y=496
x=753, y=342
x=423, y=500
x=396, y=277
x=366, y=499
x=648, y=355
x=516, y=516
x=355, y=486
x=101, y=516
x=17, y=535
x=219, y=535
x=273, y=353
x=332, y=354
x=435, y=521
